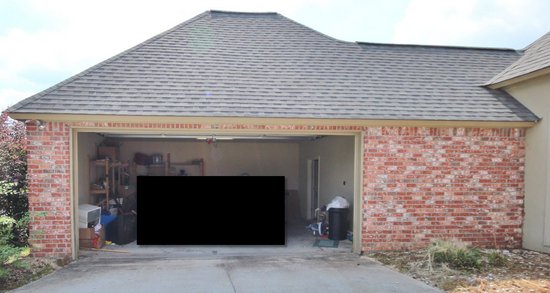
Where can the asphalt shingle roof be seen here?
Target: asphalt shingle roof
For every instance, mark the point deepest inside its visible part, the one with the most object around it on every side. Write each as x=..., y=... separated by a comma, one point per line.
x=536, y=57
x=264, y=65
x=430, y=82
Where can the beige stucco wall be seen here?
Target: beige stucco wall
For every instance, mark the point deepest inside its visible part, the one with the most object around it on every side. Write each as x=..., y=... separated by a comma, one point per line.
x=336, y=164
x=535, y=94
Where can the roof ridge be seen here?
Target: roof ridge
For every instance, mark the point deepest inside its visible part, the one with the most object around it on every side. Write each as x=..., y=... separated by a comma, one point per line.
x=37, y=96
x=438, y=46
x=240, y=12
x=314, y=30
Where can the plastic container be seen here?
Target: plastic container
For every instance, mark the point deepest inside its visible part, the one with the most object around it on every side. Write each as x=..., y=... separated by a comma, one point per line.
x=338, y=223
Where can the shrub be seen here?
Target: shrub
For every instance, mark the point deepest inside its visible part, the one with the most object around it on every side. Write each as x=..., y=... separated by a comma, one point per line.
x=8, y=253
x=7, y=250
x=6, y=230
x=456, y=255
x=21, y=230
x=496, y=259
x=13, y=168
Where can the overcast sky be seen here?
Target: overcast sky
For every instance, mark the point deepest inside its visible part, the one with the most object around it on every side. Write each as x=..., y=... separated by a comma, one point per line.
x=43, y=42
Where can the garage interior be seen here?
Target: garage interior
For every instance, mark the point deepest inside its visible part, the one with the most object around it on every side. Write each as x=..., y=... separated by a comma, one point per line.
x=306, y=161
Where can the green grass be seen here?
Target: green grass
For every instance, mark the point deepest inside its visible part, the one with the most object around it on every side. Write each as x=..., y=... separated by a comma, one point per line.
x=456, y=255
x=3, y=273
x=496, y=259
x=22, y=264
x=18, y=268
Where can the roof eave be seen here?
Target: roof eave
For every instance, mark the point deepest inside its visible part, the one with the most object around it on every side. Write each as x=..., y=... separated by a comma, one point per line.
x=518, y=79
x=76, y=118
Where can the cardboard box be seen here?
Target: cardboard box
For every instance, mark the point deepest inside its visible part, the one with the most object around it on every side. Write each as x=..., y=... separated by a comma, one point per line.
x=110, y=152
x=87, y=238
x=156, y=170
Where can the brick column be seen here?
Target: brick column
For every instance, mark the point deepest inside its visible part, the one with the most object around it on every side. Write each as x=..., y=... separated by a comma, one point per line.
x=49, y=190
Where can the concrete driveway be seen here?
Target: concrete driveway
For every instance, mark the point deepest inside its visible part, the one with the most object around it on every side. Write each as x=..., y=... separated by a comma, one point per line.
x=225, y=270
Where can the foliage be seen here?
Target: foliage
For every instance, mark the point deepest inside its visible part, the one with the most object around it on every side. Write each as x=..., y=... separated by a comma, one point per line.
x=3, y=273
x=9, y=253
x=456, y=255
x=22, y=264
x=7, y=250
x=6, y=230
x=18, y=268
x=21, y=230
x=496, y=259
x=13, y=168
x=14, y=216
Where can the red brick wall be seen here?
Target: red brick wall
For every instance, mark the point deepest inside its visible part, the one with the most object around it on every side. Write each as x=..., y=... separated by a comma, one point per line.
x=419, y=183
x=422, y=184
x=49, y=175
x=49, y=190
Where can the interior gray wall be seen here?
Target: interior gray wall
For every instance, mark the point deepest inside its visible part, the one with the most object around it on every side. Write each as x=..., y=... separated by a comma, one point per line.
x=225, y=157
x=336, y=159
x=289, y=159
x=87, y=147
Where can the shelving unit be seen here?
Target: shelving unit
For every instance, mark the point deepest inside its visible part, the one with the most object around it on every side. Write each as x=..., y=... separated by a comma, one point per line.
x=100, y=190
x=198, y=162
x=110, y=187
x=163, y=169
x=160, y=169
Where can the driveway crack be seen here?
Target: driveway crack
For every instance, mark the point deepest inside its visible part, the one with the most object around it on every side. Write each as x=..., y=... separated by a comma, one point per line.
x=230, y=280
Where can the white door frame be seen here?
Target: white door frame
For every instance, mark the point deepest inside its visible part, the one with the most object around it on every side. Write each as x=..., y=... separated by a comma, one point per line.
x=310, y=205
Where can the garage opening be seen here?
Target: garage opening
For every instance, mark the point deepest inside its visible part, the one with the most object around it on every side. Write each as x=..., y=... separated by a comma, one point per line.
x=317, y=168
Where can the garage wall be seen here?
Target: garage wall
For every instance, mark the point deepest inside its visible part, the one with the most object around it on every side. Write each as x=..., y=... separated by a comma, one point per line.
x=535, y=95
x=87, y=147
x=423, y=184
x=225, y=157
x=419, y=184
x=336, y=164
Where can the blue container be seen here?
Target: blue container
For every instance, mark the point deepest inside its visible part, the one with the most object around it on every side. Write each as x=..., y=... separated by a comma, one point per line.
x=106, y=220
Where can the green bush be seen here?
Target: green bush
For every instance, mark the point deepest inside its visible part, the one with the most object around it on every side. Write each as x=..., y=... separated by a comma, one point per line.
x=456, y=255
x=496, y=259
x=6, y=230
x=13, y=198
x=21, y=230
x=13, y=168
x=14, y=216
x=8, y=252
x=3, y=273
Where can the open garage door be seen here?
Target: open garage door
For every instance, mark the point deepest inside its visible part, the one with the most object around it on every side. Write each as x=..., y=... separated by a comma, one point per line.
x=145, y=154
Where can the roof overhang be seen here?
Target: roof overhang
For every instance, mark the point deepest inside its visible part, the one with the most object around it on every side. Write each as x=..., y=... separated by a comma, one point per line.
x=518, y=79
x=157, y=120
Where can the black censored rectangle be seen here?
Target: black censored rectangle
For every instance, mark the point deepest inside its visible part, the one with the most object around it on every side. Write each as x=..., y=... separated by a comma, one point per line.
x=211, y=210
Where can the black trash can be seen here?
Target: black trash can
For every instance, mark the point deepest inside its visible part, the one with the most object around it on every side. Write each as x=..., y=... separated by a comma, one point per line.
x=337, y=223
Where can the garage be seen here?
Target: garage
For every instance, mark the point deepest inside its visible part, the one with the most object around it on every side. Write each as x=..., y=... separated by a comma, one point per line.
x=316, y=168
x=420, y=150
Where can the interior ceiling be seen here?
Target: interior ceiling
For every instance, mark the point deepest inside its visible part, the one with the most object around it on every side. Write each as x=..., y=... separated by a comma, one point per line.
x=212, y=137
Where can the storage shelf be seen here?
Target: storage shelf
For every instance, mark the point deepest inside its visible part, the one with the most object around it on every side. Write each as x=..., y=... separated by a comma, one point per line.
x=111, y=172
x=167, y=165
x=196, y=162
x=98, y=191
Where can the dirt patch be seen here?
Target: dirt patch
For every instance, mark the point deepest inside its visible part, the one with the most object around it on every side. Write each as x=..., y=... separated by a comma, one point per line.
x=501, y=271
x=23, y=271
